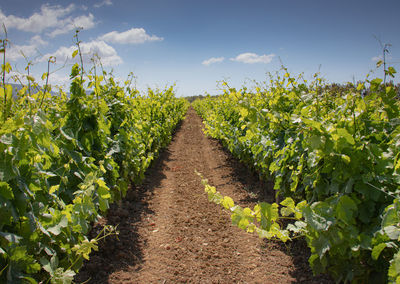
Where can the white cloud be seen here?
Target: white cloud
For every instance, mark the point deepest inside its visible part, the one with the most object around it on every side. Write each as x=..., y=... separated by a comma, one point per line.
x=379, y=57
x=376, y=58
x=250, y=58
x=103, y=3
x=15, y=51
x=48, y=17
x=38, y=41
x=70, y=24
x=213, y=60
x=12, y=77
x=62, y=54
x=61, y=80
x=56, y=18
x=55, y=79
x=132, y=36
x=107, y=53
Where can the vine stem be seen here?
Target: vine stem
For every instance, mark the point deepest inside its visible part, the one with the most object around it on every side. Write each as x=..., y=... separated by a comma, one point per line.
x=1, y=271
x=98, y=238
x=4, y=74
x=47, y=81
x=79, y=51
x=29, y=90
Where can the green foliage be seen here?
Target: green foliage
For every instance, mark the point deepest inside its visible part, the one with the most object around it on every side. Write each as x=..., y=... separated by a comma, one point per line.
x=63, y=160
x=334, y=152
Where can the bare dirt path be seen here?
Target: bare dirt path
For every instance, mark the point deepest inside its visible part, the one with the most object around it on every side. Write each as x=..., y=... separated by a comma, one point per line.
x=170, y=233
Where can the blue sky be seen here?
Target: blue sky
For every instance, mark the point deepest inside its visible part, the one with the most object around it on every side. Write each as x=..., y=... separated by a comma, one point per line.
x=194, y=44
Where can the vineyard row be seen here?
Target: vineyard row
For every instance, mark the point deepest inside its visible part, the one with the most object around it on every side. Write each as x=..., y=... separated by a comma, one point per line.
x=63, y=159
x=334, y=157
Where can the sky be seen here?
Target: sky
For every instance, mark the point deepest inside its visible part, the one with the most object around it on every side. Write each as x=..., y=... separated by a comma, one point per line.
x=195, y=44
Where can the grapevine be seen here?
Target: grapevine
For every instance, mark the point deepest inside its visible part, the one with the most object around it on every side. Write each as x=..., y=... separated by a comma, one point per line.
x=64, y=158
x=332, y=150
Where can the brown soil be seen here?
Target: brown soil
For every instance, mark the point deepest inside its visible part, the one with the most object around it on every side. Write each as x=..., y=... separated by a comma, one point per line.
x=170, y=233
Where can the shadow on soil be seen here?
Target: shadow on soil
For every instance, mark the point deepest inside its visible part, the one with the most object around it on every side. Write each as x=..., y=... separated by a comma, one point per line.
x=262, y=191
x=123, y=252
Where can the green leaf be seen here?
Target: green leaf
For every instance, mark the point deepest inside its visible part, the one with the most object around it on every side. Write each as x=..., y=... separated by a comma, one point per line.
x=315, y=221
x=316, y=142
x=345, y=209
x=103, y=204
x=345, y=158
x=263, y=234
x=62, y=277
x=6, y=191
x=392, y=232
x=316, y=264
x=21, y=260
x=289, y=207
x=75, y=53
x=246, y=212
x=321, y=245
x=104, y=192
x=297, y=227
x=227, y=202
x=69, y=137
x=269, y=214
x=6, y=170
x=392, y=70
x=54, y=188
x=7, y=139
x=12, y=238
x=394, y=268
x=114, y=149
x=7, y=67
x=30, y=78
x=74, y=70
x=33, y=187
x=348, y=188
x=46, y=265
x=239, y=219
x=313, y=124
x=376, y=251
x=343, y=133
x=390, y=218
x=85, y=248
x=56, y=230
x=375, y=83
x=54, y=262
x=30, y=279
